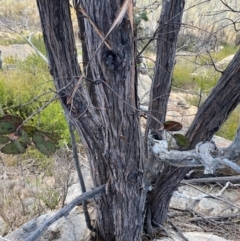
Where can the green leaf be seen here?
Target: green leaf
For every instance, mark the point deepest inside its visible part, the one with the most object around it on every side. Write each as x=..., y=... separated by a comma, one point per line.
x=11, y=148
x=21, y=146
x=43, y=144
x=6, y=127
x=15, y=120
x=4, y=139
x=144, y=16
x=30, y=130
x=24, y=137
x=181, y=140
x=52, y=136
x=172, y=126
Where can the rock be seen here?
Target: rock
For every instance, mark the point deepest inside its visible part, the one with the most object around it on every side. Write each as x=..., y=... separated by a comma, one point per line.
x=222, y=64
x=219, y=48
x=19, y=51
x=3, y=227
x=221, y=142
x=74, y=190
x=183, y=199
x=196, y=236
x=72, y=227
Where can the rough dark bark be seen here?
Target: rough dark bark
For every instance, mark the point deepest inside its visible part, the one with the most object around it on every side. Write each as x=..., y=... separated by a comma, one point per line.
x=211, y=115
x=109, y=127
x=120, y=159
x=82, y=37
x=169, y=26
x=106, y=113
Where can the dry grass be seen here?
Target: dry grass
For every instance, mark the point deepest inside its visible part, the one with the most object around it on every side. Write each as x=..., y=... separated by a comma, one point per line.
x=29, y=189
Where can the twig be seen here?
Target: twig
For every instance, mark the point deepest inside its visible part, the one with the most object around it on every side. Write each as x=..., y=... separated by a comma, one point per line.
x=178, y=230
x=80, y=176
x=214, y=196
x=212, y=179
x=29, y=42
x=116, y=22
x=37, y=111
x=29, y=102
x=216, y=217
x=65, y=211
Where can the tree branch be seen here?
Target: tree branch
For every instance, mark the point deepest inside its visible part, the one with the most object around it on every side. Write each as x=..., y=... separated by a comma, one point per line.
x=65, y=211
x=80, y=176
x=28, y=40
x=232, y=179
x=205, y=154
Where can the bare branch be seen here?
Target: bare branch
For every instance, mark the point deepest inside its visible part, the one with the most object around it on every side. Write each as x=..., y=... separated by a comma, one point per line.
x=213, y=179
x=80, y=176
x=205, y=154
x=28, y=40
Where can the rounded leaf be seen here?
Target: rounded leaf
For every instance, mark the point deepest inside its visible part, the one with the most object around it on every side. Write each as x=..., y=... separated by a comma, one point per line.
x=21, y=146
x=30, y=130
x=43, y=144
x=51, y=136
x=4, y=139
x=181, y=140
x=11, y=148
x=6, y=127
x=15, y=120
x=24, y=137
x=172, y=126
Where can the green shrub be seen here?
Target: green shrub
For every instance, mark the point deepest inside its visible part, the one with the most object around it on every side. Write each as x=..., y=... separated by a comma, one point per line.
x=182, y=75
x=26, y=89
x=229, y=128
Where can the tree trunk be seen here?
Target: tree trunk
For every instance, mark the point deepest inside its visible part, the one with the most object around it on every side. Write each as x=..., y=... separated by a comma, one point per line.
x=169, y=26
x=109, y=127
x=167, y=34
x=105, y=113
x=211, y=115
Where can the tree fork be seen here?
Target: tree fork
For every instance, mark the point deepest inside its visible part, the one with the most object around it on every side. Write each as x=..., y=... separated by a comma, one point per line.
x=109, y=126
x=211, y=115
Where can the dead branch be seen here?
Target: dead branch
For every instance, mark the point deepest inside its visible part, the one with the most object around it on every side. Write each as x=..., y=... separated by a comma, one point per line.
x=205, y=154
x=28, y=40
x=65, y=211
x=215, y=217
x=231, y=179
x=80, y=176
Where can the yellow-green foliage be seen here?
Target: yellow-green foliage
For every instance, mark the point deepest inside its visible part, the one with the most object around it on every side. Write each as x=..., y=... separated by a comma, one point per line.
x=182, y=75
x=229, y=128
x=26, y=89
x=204, y=81
x=223, y=53
x=208, y=58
